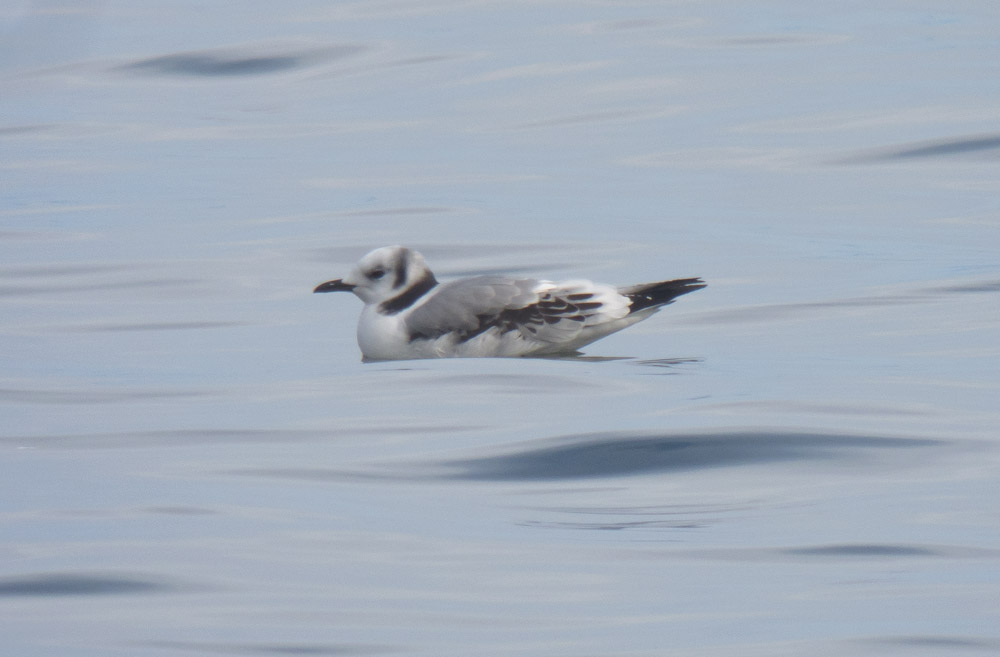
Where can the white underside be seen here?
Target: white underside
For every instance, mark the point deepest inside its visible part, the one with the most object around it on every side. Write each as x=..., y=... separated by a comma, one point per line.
x=383, y=337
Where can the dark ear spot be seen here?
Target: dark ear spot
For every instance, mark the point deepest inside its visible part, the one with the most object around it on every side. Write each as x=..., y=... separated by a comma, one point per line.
x=402, y=260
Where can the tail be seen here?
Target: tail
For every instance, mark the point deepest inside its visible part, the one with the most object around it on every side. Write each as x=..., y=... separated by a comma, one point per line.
x=651, y=295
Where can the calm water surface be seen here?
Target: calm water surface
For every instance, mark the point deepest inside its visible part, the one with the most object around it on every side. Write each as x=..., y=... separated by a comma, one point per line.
x=800, y=459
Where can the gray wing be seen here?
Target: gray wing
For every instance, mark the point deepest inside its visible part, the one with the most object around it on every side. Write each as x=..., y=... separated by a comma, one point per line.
x=470, y=306
x=537, y=310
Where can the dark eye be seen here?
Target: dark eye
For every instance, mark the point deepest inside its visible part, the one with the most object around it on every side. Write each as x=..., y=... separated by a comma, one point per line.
x=376, y=274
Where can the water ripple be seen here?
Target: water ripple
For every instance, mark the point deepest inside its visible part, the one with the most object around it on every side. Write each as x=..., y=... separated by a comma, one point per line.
x=620, y=454
x=274, y=648
x=188, y=437
x=986, y=145
x=237, y=63
x=794, y=310
x=107, y=396
x=62, y=584
x=845, y=552
x=936, y=642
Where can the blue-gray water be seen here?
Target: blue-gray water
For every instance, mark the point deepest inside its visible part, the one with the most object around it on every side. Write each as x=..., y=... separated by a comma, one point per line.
x=800, y=459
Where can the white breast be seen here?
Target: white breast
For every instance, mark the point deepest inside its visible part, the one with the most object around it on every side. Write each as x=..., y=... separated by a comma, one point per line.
x=383, y=337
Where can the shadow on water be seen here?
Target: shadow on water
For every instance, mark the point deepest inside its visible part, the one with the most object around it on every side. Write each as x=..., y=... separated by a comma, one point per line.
x=617, y=454
x=67, y=584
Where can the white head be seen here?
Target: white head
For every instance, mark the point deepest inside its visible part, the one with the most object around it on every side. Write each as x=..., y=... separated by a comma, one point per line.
x=384, y=275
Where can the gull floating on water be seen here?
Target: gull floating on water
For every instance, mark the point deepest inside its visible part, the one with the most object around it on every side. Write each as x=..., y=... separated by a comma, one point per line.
x=408, y=314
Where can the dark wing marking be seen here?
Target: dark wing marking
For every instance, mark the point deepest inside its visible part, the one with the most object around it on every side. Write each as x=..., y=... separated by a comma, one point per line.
x=548, y=310
x=469, y=306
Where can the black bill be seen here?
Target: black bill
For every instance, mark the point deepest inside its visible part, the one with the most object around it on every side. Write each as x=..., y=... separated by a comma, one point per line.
x=334, y=286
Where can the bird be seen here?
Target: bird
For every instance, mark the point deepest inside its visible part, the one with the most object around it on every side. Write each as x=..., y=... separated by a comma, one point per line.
x=408, y=314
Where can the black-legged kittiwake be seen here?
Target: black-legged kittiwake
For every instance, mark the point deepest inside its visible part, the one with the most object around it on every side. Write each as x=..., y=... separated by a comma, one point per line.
x=408, y=314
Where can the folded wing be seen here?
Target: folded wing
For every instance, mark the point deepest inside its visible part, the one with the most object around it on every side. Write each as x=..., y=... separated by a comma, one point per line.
x=532, y=310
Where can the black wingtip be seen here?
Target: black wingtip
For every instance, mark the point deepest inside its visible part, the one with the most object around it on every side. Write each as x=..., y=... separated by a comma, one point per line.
x=662, y=293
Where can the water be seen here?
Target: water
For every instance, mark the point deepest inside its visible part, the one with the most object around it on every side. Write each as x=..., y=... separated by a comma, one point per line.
x=800, y=459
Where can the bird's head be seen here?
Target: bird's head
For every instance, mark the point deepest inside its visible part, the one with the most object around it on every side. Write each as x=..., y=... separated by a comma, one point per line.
x=383, y=274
